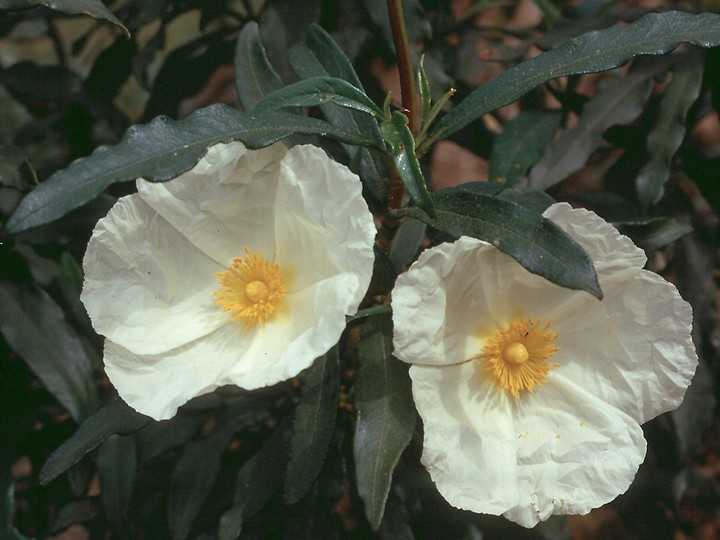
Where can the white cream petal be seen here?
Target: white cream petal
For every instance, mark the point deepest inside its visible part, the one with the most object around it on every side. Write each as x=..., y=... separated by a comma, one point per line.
x=576, y=442
x=152, y=263
x=225, y=203
x=283, y=348
x=319, y=210
x=156, y=385
x=146, y=287
x=639, y=355
x=608, y=249
x=557, y=451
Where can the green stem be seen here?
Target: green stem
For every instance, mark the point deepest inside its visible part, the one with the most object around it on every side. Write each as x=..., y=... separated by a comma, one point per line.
x=402, y=53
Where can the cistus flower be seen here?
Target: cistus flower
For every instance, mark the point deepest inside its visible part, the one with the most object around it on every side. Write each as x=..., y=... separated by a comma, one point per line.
x=532, y=395
x=240, y=271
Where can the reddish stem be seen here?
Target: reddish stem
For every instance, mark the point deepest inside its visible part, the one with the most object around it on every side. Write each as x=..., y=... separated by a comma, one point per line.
x=402, y=53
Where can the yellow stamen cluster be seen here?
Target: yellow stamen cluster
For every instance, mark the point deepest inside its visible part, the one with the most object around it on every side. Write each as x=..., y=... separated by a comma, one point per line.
x=252, y=288
x=517, y=355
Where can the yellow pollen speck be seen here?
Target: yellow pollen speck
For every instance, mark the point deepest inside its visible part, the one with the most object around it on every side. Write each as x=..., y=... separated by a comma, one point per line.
x=252, y=288
x=517, y=355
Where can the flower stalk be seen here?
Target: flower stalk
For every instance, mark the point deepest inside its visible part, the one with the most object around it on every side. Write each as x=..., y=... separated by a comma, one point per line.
x=404, y=62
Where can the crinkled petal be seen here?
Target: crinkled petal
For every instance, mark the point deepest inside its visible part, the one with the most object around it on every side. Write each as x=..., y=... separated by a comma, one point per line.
x=638, y=355
x=252, y=358
x=146, y=287
x=609, y=250
x=156, y=385
x=633, y=349
x=320, y=212
x=225, y=203
x=283, y=348
x=457, y=294
x=423, y=301
x=557, y=451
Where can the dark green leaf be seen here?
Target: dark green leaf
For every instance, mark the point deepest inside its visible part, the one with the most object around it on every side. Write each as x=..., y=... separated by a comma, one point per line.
x=158, y=437
x=532, y=240
x=532, y=199
x=195, y=473
x=313, y=426
x=117, y=463
x=160, y=150
x=116, y=417
x=94, y=8
x=520, y=144
x=655, y=233
x=551, y=13
x=398, y=135
x=407, y=243
x=74, y=512
x=71, y=280
x=15, y=169
x=7, y=506
x=35, y=327
x=320, y=56
x=318, y=91
x=258, y=480
x=386, y=416
x=618, y=102
x=655, y=33
x=669, y=130
x=255, y=77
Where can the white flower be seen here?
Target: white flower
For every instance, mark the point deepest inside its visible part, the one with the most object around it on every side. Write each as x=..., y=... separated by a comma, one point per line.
x=532, y=395
x=240, y=271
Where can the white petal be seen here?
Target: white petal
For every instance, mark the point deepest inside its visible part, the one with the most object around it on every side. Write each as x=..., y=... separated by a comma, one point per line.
x=156, y=385
x=146, y=287
x=250, y=358
x=225, y=203
x=323, y=226
x=431, y=302
x=634, y=349
x=457, y=294
x=557, y=451
x=284, y=347
x=609, y=250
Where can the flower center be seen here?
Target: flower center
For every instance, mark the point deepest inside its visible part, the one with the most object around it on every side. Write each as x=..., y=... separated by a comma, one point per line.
x=257, y=291
x=517, y=355
x=252, y=288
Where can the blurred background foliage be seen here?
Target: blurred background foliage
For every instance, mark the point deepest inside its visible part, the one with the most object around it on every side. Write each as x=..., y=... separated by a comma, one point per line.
x=639, y=144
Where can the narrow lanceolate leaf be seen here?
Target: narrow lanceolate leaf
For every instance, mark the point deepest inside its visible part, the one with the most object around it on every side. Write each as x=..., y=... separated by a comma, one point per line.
x=160, y=150
x=257, y=481
x=196, y=471
x=402, y=143
x=386, y=416
x=617, y=102
x=117, y=464
x=654, y=233
x=600, y=50
x=320, y=56
x=35, y=327
x=313, y=426
x=116, y=417
x=318, y=91
x=95, y=8
x=669, y=130
x=255, y=77
x=520, y=145
x=534, y=241
x=7, y=505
